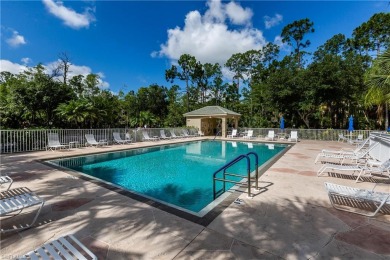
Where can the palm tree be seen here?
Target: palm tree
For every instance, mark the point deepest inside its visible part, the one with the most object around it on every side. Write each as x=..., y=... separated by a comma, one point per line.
x=378, y=81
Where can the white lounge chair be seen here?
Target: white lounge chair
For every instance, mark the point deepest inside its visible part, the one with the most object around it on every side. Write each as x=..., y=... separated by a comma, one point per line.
x=92, y=141
x=234, y=134
x=163, y=135
x=200, y=133
x=185, y=133
x=128, y=137
x=119, y=140
x=336, y=191
x=67, y=247
x=359, y=139
x=147, y=138
x=4, y=179
x=173, y=134
x=53, y=142
x=293, y=136
x=342, y=138
x=363, y=154
x=249, y=134
x=370, y=168
x=350, y=151
x=16, y=200
x=271, y=135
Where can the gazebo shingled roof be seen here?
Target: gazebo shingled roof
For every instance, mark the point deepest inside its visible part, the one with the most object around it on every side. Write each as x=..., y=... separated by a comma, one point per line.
x=211, y=111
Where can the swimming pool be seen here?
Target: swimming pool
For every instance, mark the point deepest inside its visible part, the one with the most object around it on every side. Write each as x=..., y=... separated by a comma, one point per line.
x=180, y=175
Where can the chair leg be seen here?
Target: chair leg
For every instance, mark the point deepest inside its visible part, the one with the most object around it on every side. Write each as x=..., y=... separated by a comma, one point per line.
x=321, y=170
x=360, y=173
x=28, y=225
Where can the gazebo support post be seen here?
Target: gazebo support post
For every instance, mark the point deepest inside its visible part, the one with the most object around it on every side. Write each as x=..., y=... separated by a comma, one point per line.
x=223, y=127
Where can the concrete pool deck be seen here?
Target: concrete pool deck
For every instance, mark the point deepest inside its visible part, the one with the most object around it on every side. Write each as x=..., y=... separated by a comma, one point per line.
x=289, y=218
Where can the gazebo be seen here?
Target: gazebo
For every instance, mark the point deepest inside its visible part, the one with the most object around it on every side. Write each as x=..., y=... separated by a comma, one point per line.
x=210, y=118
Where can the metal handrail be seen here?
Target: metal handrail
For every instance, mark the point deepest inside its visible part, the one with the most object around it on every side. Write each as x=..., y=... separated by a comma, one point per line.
x=231, y=163
x=216, y=135
x=257, y=167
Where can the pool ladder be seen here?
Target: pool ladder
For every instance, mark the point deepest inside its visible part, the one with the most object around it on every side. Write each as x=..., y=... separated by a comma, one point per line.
x=225, y=174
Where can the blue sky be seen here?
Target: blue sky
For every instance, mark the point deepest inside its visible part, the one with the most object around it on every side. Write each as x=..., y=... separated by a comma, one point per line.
x=130, y=44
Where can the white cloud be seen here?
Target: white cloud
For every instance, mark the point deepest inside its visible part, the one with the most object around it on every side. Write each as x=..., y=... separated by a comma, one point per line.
x=237, y=14
x=16, y=40
x=70, y=17
x=25, y=60
x=282, y=45
x=209, y=37
x=272, y=21
x=15, y=68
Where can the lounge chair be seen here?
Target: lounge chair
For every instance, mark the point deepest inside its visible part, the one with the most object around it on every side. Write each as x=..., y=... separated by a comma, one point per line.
x=358, y=140
x=173, y=135
x=351, y=151
x=53, y=142
x=200, y=133
x=293, y=136
x=128, y=137
x=16, y=200
x=92, y=141
x=119, y=140
x=67, y=247
x=234, y=134
x=163, y=135
x=343, y=194
x=342, y=138
x=4, y=179
x=370, y=168
x=192, y=132
x=249, y=134
x=147, y=138
x=271, y=135
x=187, y=134
x=355, y=157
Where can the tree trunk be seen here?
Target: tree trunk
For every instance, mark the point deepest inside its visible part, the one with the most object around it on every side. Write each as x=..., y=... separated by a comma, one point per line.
x=305, y=118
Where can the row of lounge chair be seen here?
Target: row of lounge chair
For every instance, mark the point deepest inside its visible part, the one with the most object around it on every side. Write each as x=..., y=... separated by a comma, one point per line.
x=163, y=136
x=54, y=141
x=271, y=135
x=14, y=201
x=355, y=161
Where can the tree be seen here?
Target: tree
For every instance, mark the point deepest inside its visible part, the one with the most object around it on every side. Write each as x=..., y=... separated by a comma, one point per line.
x=293, y=35
x=378, y=80
x=187, y=65
x=175, y=108
x=373, y=35
x=235, y=65
x=63, y=67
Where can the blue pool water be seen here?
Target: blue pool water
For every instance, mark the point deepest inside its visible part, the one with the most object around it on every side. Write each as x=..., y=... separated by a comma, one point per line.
x=179, y=174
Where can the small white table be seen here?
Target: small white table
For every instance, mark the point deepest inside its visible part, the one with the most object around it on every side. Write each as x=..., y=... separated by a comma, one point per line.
x=74, y=144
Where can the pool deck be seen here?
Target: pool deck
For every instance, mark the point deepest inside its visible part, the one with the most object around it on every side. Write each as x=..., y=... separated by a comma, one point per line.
x=289, y=218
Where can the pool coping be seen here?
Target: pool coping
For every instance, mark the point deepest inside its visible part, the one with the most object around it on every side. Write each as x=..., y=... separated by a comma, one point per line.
x=205, y=220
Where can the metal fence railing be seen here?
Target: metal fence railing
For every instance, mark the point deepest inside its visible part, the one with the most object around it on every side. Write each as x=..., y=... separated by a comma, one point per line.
x=310, y=134
x=25, y=140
